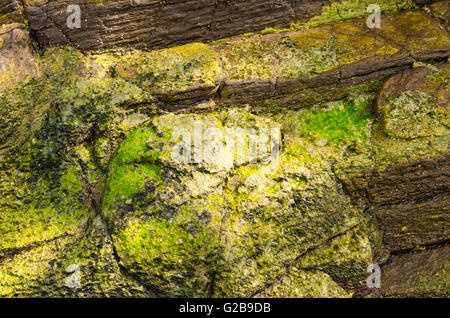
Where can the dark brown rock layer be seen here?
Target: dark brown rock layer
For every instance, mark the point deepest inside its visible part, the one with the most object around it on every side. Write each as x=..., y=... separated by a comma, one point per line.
x=419, y=274
x=148, y=24
x=413, y=203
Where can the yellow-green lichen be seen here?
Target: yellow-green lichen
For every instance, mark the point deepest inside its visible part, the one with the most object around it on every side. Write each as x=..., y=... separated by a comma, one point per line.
x=165, y=70
x=177, y=254
x=411, y=115
x=346, y=257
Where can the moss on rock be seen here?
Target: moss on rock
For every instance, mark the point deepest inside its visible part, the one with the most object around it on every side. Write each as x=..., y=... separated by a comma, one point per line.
x=306, y=284
x=242, y=223
x=164, y=223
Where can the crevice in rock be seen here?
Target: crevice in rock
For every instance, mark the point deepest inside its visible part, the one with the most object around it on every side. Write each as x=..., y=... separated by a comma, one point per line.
x=418, y=249
x=66, y=36
x=299, y=258
x=123, y=270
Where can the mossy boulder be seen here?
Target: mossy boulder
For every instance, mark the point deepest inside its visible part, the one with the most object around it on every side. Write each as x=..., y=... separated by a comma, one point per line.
x=215, y=229
x=415, y=104
x=45, y=270
x=58, y=128
x=168, y=24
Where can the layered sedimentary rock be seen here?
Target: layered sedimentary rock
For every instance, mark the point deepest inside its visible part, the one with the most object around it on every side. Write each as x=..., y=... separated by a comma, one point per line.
x=233, y=226
x=156, y=24
x=302, y=67
x=10, y=12
x=422, y=274
x=409, y=191
x=290, y=69
x=98, y=180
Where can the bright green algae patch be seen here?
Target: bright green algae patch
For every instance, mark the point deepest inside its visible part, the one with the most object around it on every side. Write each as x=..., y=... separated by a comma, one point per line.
x=342, y=123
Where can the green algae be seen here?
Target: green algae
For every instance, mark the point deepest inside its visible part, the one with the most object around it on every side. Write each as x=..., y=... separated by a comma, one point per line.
x=42, y=270
x=337, y=125
x=310, y=52
x=346, y=257
x=345, y=10
x=41, y=210
x=260, y=219
x=124, y=182
x=289, y=57
x=239, y=229
x=411, y=116
x=134, y=147
x=246, y=58
x=295, y=61
x=48, y=121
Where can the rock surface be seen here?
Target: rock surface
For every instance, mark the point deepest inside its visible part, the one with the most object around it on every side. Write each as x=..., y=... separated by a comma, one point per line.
x=101, y=176
x=422, y=274
x=291, y=69
x=409, y=191
x=148, y=24
x=16, y=56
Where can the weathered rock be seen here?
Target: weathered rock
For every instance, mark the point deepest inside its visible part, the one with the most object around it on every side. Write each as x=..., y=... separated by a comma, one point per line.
x=297, y=68
x=229, y=228
x=148, y=24
x=10, y=12
x=302, y=284
x=82, y=265
x=419, y=274
x=289, y=69
x=16, y=56
x=413, y=203
x=90, y=175
x=50, y=175
x=441, y=10
x=305, y=66
x=421, y=2
x=409, y=184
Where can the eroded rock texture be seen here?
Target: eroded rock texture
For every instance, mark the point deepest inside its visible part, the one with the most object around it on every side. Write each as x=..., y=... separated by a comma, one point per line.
x=155, y=24
x=99, y=177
